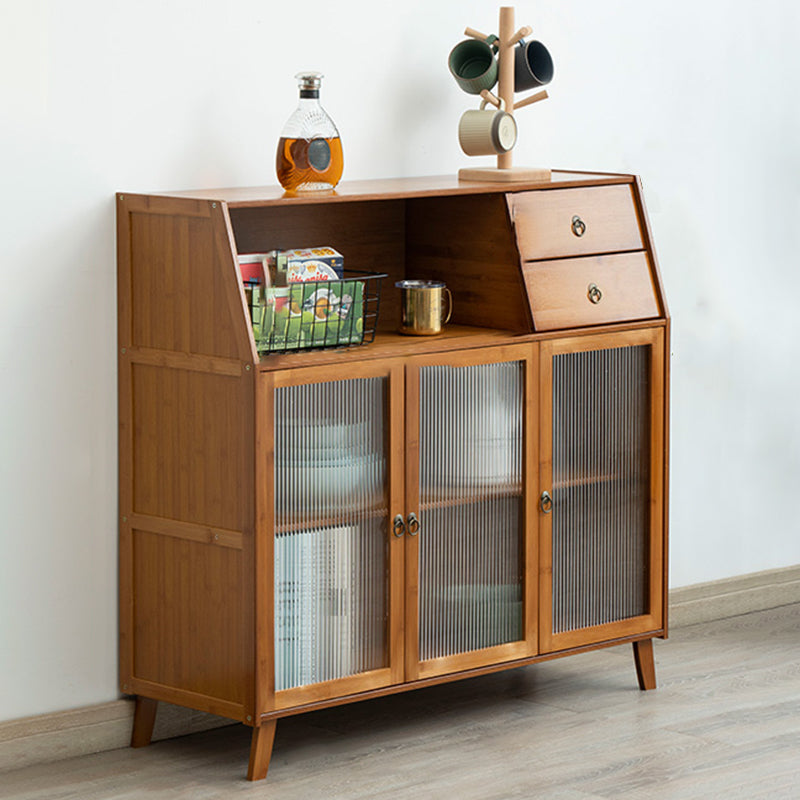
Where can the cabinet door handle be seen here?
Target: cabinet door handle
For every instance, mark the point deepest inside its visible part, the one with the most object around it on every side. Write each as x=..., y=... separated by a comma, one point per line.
x=594, y=294
x=546, y=502
x=412, y=524
x=578, y=226
x=398, y=526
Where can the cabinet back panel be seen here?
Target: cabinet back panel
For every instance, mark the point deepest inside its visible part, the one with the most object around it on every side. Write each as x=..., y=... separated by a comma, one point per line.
x=178, y=296
x=468, y=243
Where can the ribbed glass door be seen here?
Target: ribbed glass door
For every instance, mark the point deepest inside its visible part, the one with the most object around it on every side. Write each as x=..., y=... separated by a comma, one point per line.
x=331, y=543
x=470, y=549
x=599, y=509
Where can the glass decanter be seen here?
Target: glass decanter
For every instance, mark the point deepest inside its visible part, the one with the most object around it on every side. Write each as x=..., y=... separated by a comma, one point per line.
x=309, y=156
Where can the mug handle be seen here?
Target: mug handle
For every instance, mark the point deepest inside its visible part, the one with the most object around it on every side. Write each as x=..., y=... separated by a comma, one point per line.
x=449, y=306
x=488, y=97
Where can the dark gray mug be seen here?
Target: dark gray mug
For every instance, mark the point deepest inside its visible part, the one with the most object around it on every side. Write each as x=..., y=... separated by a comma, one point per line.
x=533, y=66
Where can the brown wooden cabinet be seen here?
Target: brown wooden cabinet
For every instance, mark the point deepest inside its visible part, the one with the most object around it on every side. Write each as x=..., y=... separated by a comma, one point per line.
x=309, y=529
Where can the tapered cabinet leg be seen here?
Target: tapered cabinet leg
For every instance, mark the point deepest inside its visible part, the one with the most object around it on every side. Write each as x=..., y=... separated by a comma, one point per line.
x=261, y=751
x=144, y=717
x=645, y=665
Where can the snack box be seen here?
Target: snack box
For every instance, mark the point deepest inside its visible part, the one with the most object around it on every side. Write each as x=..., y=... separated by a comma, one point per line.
x=254, y=267
x=312, y=264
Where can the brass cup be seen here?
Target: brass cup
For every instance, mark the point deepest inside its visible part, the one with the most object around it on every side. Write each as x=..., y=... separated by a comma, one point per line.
x=422, y=307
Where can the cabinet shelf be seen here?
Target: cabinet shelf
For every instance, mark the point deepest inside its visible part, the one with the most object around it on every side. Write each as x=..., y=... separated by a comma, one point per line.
x=483, y=496
x=315, y=522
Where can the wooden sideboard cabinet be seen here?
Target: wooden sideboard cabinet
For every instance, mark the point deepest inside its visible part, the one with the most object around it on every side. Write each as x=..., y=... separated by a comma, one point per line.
x=301, y=530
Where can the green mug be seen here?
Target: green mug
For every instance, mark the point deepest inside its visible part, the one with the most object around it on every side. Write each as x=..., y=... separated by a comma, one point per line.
x=473, y=64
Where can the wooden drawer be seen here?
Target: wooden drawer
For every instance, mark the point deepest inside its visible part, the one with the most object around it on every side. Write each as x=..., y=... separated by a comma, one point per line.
x=561, y=292
x=573, y=222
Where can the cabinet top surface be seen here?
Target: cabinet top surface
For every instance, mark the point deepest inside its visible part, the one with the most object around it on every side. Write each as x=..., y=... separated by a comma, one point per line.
x=396, y=188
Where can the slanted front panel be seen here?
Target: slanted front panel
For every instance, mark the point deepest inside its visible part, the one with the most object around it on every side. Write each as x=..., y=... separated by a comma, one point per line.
x=178, y=287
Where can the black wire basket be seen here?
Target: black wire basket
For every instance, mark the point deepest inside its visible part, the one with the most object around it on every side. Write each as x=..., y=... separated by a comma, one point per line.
x=314, y=315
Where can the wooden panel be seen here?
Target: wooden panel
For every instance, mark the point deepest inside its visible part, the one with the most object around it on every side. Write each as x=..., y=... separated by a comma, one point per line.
x=387, y=188
x=189, y=458
x=178, y=290
x=370, y=236
x=560, y=291
x=467, y=242
x=544, y=221
x=188, y=616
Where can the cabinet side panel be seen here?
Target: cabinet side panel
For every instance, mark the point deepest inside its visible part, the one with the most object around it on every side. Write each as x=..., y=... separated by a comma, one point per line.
x=178, y=286
x=188, y=451
x=468, y=243
x=187, y=611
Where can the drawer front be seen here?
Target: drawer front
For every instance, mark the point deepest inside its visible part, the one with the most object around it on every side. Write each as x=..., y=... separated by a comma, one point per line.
x=572, y=222
x=596, y=290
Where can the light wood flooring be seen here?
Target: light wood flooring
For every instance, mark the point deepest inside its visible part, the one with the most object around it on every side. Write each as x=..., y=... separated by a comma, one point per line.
x=724, y=723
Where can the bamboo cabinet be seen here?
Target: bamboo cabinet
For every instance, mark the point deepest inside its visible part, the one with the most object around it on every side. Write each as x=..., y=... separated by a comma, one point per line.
x=310, y=529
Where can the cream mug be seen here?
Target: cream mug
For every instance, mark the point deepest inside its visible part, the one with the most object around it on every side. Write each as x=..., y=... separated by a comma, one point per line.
x=422, y=307
x=487, y=132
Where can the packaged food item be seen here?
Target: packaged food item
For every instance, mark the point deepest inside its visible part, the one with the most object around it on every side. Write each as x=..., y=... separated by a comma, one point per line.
x=311, y=264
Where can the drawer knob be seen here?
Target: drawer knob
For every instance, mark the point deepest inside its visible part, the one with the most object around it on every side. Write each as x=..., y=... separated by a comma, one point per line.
x=594, y=294
x=578, y=226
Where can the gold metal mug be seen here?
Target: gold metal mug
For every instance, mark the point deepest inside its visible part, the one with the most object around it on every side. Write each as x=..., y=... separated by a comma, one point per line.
x=422, y=307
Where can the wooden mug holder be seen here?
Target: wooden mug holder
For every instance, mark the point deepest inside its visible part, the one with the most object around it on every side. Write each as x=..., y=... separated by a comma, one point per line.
x=507, y=41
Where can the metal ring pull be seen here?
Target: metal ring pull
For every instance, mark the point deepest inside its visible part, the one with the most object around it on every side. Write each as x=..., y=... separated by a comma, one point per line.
x=412, y=524
x=546, y=502
x=398, y=526
x=578, y=226
x=594, y=294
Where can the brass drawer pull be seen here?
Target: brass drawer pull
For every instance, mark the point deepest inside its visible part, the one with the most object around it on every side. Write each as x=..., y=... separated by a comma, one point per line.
x=546, y=502
x=398, y=526
x=578, y=226
x=594, y=293
x=413, y=524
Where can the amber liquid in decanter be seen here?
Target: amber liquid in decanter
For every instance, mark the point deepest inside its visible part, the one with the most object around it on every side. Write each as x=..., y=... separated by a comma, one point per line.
x=309, y=164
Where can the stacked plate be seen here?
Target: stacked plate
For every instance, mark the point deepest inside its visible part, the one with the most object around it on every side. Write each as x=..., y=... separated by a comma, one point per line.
x=325, y=467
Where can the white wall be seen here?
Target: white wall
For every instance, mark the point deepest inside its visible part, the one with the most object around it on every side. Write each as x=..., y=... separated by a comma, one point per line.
x=98, y=96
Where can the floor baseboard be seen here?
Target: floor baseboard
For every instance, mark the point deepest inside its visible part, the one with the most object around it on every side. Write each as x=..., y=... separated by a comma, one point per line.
x=730, y=597
x=93, y=729
x=107, y=726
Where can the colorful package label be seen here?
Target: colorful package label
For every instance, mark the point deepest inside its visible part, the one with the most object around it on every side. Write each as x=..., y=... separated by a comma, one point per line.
x=313, y=264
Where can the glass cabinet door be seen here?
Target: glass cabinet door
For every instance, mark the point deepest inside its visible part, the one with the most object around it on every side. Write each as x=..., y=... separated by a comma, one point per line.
x=467, y=549
x=601, y=508
x=333, y=553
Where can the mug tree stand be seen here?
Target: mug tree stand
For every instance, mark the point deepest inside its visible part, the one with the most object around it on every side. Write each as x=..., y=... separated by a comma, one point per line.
x=505, y=172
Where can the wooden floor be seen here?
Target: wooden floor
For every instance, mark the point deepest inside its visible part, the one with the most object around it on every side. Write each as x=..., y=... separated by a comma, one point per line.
x=724, y=723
